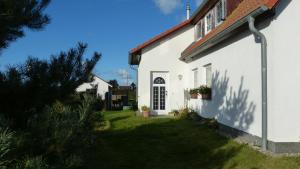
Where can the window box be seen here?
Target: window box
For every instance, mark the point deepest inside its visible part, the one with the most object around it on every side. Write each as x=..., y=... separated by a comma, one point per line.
x=194, y=96
x=205, y=92
x=194, y=93
x=206, y=96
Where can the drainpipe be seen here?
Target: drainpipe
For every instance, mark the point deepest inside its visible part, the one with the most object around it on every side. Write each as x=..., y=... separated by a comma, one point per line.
x=264, y=76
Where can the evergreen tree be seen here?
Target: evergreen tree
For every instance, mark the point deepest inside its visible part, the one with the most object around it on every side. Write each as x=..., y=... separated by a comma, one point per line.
x=27, y=89
x=15, y=15
x=114, y=83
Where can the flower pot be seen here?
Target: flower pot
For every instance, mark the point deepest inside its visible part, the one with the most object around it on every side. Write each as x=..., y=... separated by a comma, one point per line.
x=194, y=96
x=146, y=114
x=206, y=96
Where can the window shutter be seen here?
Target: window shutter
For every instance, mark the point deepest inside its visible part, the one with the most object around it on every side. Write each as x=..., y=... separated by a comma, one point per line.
x=213, y=20
x=224, y=9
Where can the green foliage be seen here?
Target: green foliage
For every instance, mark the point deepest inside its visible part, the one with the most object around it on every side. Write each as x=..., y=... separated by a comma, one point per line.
x=194, y=91
x=73, y=162
x=35, y=163
x=201, y=90
x=174, y=113
x=59, y=131
x=6, y=144
x=145, y=108
x=17, y=14
x=114, y=83
x=204, y=89
x=26, y=89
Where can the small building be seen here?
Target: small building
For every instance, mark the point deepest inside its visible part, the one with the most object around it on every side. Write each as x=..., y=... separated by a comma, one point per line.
x=247, y=52
x=100, y=87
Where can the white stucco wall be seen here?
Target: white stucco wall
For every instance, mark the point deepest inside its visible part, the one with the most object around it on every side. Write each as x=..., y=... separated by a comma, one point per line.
x=164, y=57
x=237, y=103
x=236, y=64
x=103, y=87
x=284, y=73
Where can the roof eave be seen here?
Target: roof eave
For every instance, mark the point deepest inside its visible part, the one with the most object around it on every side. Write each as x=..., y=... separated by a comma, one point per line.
x=220, y=36
x=134, y=58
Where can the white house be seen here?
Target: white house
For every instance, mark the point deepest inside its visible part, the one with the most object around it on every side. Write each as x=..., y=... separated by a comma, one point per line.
x=253, y=69
x=101, y=85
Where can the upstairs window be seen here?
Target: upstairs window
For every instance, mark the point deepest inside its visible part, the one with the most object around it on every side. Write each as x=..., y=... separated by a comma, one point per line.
x=218, y=13
x=212, y=19
x=200, y=30
x=209, y=22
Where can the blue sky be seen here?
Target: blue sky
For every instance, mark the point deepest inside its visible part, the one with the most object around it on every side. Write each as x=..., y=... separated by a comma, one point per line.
x=111, y=27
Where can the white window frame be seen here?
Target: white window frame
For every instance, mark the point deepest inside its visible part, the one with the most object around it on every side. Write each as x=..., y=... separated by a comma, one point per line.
x=196, y=77
x=207, y=22
x=198, y=30
x=208, y=78
x=216, y=12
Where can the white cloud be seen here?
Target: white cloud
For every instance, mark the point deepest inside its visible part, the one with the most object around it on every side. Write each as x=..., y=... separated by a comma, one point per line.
x=125, y=77
x=167, y=6
x=198, y=2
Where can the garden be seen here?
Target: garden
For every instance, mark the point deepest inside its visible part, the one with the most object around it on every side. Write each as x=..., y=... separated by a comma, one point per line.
x=185, y=141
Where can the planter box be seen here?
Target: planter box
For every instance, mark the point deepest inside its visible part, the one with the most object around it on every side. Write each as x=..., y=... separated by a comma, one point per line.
x=206, y=96
x=194, y=96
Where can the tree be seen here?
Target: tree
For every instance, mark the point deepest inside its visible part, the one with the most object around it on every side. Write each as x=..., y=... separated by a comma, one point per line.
x=15, y=15
x=133, y=86
x=27, y=89
x=114, y=83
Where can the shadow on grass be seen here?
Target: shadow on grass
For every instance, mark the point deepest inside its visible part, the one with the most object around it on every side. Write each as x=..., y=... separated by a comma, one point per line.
x=161, y=144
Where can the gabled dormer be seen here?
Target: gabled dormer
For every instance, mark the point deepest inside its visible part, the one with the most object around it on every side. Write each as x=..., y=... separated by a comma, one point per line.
x=213, y=18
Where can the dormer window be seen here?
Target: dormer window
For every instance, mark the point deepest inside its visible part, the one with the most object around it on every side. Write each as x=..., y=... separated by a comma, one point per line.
x=200, y=30
x=218, y=13
x=209, y=22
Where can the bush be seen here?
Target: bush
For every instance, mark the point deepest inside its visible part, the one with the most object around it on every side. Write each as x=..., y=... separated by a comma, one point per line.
x=35, y=163
x=204, y=89
x=145, y=108
x=6, y=143
x=25, y=90
x=174, y=113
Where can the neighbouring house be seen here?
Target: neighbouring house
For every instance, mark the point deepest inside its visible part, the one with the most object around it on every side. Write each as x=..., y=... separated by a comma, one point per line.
x=123, y=97
x=98, y=86
x=247, y=52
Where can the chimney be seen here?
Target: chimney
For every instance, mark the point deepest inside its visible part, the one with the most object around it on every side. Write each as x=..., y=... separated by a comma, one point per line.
x=188, y=9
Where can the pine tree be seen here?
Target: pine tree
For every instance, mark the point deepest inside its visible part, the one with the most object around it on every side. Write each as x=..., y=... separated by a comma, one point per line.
x=15, y=15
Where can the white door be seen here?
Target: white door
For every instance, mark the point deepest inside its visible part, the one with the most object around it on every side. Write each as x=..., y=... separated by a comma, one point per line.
x=159, y=93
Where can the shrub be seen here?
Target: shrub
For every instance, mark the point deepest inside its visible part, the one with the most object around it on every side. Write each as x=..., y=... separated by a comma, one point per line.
x=194, y=91
x=25, y=90
x=35, y=163
x=194, y=115
x=73, y=162
x=174, y=113
x=184, y=112
x=6, y=143
x=204, y=89
x=145, y=108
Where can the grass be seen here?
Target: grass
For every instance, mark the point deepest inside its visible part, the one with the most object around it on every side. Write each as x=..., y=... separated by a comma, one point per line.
x=167, y=143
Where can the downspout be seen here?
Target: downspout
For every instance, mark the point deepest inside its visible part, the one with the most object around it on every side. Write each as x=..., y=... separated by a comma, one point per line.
x=264, y=76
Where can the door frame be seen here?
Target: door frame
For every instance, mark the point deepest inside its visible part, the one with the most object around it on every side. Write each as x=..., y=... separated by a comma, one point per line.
x=167, y=87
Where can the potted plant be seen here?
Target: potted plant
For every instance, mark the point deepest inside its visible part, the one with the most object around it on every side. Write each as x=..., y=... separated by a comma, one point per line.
x=146, y=111
x=205, y=92
x=194, y=93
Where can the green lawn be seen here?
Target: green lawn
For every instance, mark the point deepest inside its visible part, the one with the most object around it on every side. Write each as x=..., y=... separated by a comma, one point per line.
x=166, y=143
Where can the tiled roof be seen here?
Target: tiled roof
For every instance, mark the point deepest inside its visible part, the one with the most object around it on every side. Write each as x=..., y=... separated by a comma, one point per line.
x=245, y=8
x=160, y=36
